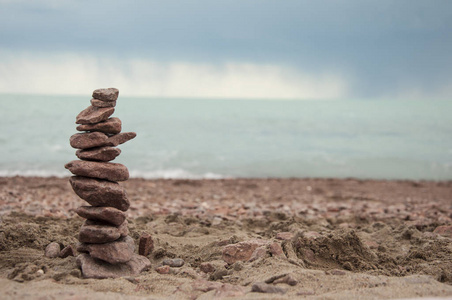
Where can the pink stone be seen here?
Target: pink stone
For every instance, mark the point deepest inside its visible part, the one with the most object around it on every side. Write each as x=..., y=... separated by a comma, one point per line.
x=88, y=140
x=163, y=269
x=120, y=138
x=309, y=255
x=445, y=230
x=67, y=251
x=111, y=126
x=311, y=235
x=98, y=233
x=146, y=245
x=98, y=154
x=92, y=115
x=276, y=250
x=100, y=103
x=106, y=214
x=100, y=192
x=101, y=170
x=285, y=236
x=241, y=251
x=94, y=268
x=259, y=252
x=207, y=267
x=119, y=251
x=371, y=244
x=110, y=94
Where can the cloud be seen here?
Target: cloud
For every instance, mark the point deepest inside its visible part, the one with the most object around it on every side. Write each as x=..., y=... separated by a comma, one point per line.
x=36, y=3
x=306, y=49
x=77, y=74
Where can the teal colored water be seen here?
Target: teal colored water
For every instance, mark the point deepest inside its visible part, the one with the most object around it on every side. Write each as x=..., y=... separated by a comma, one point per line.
x=191, y=138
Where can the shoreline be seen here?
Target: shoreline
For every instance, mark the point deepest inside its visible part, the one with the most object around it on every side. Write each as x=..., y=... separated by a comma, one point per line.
x=164, y=196
x=265, y=193
x=214, y=176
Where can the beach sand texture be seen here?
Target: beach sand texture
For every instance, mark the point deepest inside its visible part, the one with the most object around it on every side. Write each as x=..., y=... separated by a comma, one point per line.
x=297, y=238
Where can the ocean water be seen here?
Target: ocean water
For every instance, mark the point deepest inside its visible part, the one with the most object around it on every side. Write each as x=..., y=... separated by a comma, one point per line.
x=208, y=138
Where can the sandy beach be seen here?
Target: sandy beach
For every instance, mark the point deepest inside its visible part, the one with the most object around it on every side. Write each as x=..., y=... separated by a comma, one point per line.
x=301, y=238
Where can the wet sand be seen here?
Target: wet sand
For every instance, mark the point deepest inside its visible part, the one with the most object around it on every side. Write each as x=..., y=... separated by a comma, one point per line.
x=340, y=239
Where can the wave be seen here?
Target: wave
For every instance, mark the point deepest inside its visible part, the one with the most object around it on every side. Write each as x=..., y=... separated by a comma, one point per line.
x=34, y=173
x=156, y=174
x=174, y=174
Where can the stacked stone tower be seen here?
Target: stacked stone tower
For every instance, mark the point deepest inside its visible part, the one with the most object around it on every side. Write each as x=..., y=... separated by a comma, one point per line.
x=107, y=250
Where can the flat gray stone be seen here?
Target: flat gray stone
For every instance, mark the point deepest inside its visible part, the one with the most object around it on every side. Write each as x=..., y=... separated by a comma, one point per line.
x=99, y=233
x=101, y=170
x=119, y=251
x=96, y=268
x=173, y=262
x=98, y=154
x=100, y=103
x=110, y=94
x=100, y=192
x=120, y=138
x=88, y=140
x=111, y=126
x=106, y=214
x=92, y=115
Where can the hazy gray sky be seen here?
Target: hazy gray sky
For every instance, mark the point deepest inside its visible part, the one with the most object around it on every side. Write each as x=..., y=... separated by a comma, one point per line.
x=236, y=48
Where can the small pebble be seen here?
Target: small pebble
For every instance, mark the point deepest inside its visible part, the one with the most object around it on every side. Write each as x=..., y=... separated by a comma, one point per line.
x=173, y=262
x=52, y=250
x=163, y=269
x=262, y=287
x=207, y=267
x=259, y=252
x=40, y=272
x=288, y=279
x=274, y=278
x=146, y=245
x=284, y=236
x=445, y=230
x=67, y=251
x=276, y=250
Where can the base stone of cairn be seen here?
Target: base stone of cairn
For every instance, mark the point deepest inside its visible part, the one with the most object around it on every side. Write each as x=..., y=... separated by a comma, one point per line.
x=107, y=249
x=96, y=268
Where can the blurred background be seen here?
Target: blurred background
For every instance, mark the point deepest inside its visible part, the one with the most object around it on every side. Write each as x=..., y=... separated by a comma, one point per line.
x=233, y=88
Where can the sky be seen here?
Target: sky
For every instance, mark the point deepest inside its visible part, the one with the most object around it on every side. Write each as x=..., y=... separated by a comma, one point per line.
x=253, y=49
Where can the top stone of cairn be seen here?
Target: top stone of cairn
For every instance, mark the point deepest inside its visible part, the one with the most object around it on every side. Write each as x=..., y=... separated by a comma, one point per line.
x=110, y=94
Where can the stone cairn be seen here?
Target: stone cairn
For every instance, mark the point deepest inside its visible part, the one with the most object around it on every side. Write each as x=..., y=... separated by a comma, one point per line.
x=105, y=246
